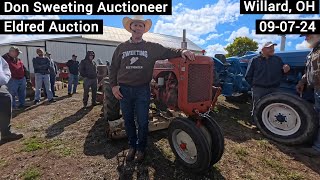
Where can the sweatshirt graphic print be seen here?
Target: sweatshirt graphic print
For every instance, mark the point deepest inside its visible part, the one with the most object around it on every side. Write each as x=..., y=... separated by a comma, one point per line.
x=132, y=64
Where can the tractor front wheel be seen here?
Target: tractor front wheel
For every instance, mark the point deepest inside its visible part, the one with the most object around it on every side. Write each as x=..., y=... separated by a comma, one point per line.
x=216, y=139
x=189, y=144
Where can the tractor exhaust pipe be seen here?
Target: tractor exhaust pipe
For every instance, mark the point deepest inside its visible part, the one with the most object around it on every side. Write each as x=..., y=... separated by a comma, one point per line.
x=184, y=41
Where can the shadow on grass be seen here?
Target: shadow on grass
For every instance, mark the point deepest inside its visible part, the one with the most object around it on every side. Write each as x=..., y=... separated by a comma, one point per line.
x=58, y=128
x=156, y=164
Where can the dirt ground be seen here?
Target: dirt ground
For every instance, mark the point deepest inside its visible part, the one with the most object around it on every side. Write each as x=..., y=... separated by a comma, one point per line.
x=64, y=141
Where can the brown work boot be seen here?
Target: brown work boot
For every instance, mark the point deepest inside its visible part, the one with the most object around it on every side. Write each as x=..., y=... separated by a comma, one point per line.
x=130, y=155
x=140, y=156
x=11, y=137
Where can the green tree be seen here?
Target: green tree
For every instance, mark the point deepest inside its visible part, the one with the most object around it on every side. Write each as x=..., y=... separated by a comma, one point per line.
x=240, y=46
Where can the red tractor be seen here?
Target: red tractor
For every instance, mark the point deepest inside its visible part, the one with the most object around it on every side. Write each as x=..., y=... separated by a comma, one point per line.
x=182, y=97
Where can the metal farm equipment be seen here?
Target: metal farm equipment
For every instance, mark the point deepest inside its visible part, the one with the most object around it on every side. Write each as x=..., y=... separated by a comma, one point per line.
x=182, y=95
x=285, y=116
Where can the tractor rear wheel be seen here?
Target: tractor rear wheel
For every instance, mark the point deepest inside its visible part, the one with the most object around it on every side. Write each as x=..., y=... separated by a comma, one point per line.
x=217, y=138
x=189, y=144
x=111, y=105
x=286, y=118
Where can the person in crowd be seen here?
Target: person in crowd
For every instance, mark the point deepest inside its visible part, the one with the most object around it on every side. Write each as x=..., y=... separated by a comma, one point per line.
x=19, y=76
x=265, y=72
x=88, y=70
x=73, y=66
x=6, y=105
x=312, y=78
x=53, y=73
x=41, y=65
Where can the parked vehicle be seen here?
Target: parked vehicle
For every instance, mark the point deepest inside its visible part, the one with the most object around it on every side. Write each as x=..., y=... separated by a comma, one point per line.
x=182, y=97
x=286, y=116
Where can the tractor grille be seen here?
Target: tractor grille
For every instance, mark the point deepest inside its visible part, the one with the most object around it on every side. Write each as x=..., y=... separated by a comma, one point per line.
x=199, y=86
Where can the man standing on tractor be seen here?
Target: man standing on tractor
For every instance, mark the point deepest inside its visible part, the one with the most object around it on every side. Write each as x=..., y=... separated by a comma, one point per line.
x=312, y=78
x=264, y=72
x=130, y=74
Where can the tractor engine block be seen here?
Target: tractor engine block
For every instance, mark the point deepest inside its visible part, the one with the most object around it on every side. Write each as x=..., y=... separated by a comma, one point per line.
x=165, y=90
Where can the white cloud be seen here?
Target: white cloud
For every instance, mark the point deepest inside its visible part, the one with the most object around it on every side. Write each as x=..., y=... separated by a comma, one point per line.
x=196, y=39
x=302, y=46
x=26, y=37
x=242, y=32
x=259, y=38
x=281, y=16
x=213, y=36
x=215, y=49
x=198, y=22
x=289, y=43
x=290, y=16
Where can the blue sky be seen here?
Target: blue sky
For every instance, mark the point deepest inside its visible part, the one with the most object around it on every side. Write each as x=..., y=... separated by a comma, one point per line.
x=211, y=24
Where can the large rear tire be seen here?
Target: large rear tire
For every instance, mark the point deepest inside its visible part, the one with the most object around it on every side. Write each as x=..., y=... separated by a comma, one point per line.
x=286, y=118
x=111, y=105
x=189, y=145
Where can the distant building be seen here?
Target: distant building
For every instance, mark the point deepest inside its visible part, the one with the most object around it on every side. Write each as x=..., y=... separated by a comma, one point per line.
x=103, y=45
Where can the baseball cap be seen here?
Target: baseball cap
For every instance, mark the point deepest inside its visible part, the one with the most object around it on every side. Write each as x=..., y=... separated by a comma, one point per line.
x=268, y=44
x=48, y=53
x=15, y=48
x=73, y=55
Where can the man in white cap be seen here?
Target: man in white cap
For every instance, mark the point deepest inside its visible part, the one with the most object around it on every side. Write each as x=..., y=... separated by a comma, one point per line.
x=130, y=74
x=264, y=72
x=312, y=78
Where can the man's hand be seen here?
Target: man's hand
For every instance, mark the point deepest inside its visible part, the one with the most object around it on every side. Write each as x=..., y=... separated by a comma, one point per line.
x=116, y=92
x=286, y=68
x=188, y=54
x=300, y=87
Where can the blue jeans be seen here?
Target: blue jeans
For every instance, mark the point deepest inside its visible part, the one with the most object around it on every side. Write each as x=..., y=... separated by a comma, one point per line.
x=258, y=93
x=5, y=111
x=73, y=80
x=136, y=100
x=17, y=87
x=39, y=79
x=316, y=143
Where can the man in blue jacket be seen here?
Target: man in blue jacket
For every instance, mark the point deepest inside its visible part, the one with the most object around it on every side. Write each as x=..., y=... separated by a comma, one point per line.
x=264, y=72
x=73, y=66
x=41, y=65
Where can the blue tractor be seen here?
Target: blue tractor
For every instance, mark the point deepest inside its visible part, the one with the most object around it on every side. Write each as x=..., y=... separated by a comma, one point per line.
x=285, y=116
